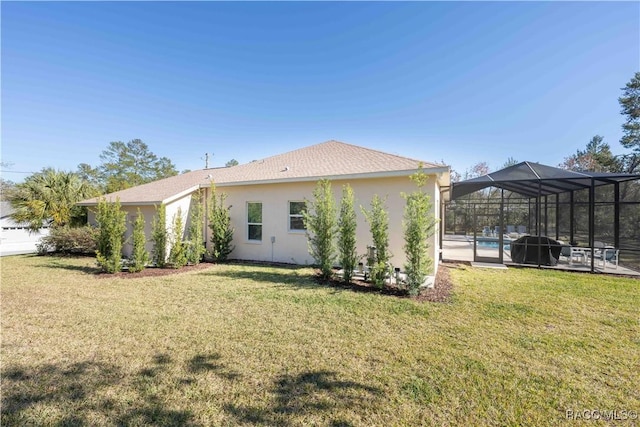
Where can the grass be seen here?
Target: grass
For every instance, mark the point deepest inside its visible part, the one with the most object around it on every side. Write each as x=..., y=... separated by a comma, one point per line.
x=259, y=345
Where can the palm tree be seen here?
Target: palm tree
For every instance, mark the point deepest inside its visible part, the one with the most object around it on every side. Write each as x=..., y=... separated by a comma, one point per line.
x=49, y=197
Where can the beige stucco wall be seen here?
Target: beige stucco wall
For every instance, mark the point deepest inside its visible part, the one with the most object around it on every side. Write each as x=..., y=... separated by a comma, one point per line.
x=131, y=211
x=291, y=246
x=149, y=213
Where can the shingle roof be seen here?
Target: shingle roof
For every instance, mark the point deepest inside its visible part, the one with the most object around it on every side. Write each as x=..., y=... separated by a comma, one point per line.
x=331, y=159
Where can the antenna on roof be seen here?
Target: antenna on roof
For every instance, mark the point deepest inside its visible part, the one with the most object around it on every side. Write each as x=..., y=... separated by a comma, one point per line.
x=206, y=160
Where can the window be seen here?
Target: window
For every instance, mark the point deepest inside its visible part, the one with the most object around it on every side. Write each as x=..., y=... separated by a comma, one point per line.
x=296, y=222
x=254, y=221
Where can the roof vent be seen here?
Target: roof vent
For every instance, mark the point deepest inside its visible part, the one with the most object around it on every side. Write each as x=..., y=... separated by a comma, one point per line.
x=209, y=176
x=286, y=168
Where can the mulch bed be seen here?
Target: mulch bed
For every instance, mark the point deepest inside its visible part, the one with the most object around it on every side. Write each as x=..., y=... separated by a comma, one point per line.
x=442, y=289
x=441, y=292
x=155, y=272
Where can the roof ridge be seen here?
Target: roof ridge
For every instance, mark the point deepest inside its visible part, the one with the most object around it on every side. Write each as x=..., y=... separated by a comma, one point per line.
x=380, y=152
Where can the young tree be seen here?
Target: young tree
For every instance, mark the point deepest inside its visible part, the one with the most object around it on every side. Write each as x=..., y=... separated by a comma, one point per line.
x=378, y=219
x=347, y=233
x=419, y=224
x=220, y=226
x=112, y=223
x=195, y=235
x=178, y=252
x=630, y=107
x=49, y=197
x=140, y=256
x=320, y=222
x=159, y=236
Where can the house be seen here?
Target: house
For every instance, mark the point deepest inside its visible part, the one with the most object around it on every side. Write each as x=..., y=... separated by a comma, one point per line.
x=16, y=238
x=275, y=188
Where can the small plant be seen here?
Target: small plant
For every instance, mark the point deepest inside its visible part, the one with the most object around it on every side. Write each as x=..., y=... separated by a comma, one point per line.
x=320, y=222
x=195, y=248
x=419, y=224
x=347, y=234
x=178, y=252
x=220, y=226
x=159, y=236
x=140, y=256
x=112, y=225
x=378, y=259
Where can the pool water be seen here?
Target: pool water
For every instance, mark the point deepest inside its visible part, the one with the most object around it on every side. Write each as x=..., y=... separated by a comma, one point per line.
x=493, y=245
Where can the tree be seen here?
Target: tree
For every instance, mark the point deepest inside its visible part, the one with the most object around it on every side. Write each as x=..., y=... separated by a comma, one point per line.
x=630, y=107
x=220, y=226
x=129, y=164
x=178, y=252
x=320, y=221
x=90, y=174
x=347, y=234
x=479, y=169
x=195, y=235
x=419, y=224
x=232, y=162
x=159, y=236
x=140, y=256
x=509, y=162
x=378, y=220
x=49, y=197
x=112, y=225
x=597, y=157
x=7, y=188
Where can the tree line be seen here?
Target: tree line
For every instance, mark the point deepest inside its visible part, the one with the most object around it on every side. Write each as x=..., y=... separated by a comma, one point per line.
x=48, y=197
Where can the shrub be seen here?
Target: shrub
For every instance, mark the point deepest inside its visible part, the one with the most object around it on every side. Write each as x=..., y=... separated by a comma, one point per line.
x=140, y=256
x=419, y=224
x=159, y=236
x=112, y=225
x=320, y=222
x=220, y=226
x=195, y=248
x=378, y=220
x=347, y=234
x=68, y=240
x=178, y=253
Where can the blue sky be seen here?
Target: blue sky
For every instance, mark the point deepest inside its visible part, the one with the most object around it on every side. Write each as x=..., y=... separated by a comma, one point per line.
x=457, y=82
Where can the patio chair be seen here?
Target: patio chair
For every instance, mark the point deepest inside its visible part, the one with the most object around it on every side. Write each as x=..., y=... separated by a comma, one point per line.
x=607, y=254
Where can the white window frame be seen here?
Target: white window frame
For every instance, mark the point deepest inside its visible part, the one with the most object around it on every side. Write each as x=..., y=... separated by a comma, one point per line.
x=261, y=224
x=290, y=215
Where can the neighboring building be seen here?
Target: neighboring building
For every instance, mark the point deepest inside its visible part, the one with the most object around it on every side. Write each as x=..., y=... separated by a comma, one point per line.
x=266, y=197
x=16, y=238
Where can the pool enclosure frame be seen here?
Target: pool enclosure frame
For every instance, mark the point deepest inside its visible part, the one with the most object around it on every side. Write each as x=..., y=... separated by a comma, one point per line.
x=537, y=181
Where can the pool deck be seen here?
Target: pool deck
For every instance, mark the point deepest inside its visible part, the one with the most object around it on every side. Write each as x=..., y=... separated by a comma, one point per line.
x=460, y=248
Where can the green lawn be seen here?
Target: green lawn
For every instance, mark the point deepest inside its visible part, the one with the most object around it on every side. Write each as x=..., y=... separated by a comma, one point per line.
x=256, y=345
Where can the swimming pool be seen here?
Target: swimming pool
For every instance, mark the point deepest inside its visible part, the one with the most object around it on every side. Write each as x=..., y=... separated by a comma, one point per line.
x=493, y=244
